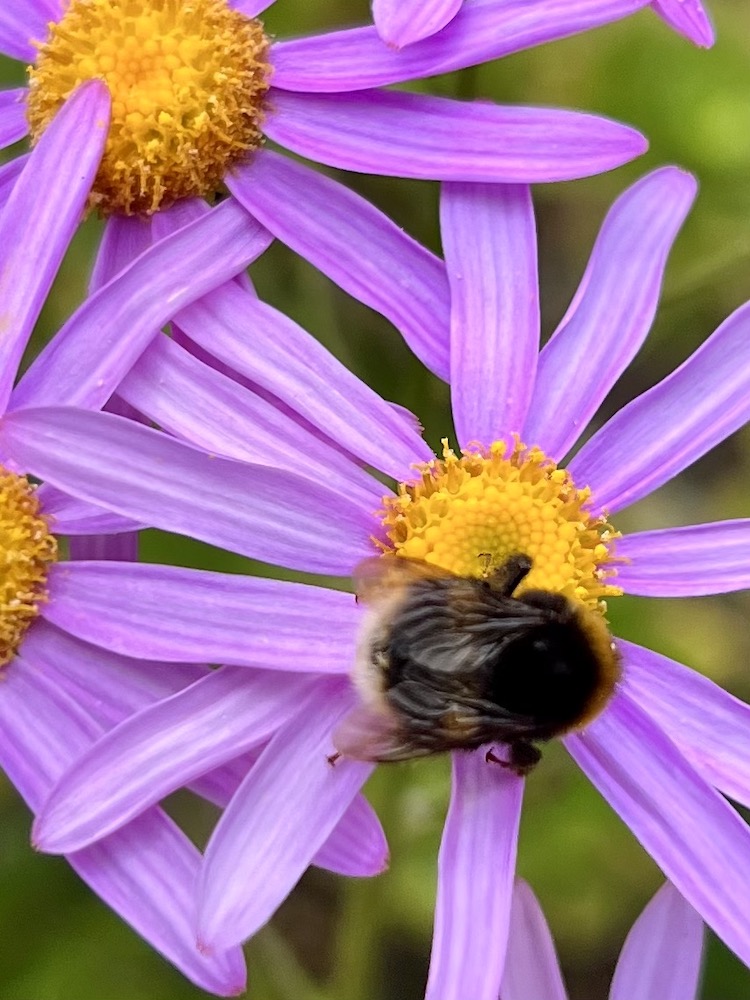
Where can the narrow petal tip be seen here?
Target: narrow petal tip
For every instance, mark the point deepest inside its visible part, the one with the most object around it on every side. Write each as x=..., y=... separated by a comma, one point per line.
x=688, y=18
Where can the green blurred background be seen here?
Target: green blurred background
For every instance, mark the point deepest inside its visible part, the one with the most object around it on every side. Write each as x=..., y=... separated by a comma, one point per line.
x=369, y=939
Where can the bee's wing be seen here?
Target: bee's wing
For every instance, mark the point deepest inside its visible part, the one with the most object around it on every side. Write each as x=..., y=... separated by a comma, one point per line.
x=368, y=734
x=380, y=576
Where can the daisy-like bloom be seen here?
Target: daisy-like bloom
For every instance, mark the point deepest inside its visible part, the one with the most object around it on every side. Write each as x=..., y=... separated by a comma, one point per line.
x=660, y=960
x=403, y=22
x=188, y=91
x=668, y=743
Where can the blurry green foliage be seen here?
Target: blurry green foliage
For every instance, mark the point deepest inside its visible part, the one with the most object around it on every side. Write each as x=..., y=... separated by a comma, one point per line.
x=369, y=940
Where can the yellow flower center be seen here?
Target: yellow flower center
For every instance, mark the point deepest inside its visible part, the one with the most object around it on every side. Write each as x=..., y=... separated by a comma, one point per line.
x=467, y=514
x=187, y=80
x=26, y=549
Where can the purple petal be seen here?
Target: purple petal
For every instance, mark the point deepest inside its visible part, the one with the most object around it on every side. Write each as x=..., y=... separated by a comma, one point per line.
x=251, y=8
x=175, y=614
x=109, y=686
x=263, y=513
x=612, y=311
x=435, y=138
x=710, y=727
x=282, y=814
x=401, y=22
x=9, y=174
x=124, y=239
x=476, y=868
x=147, y=871
x=688, y=17
x=13, y=124
x=90, y=355
x=353, y=243
x=701, y=844
x=20, y=23
x=489, y=241
x=481, y=31
x=218, y=786
x=357, y=845
x=161, y=749
x=187, y=398
x=686, y=562
x=33, y=755
x=531, y=967
x=70, y=516
x=270, y=349
x=661, y=957
x=35, y=229
x=663, y=431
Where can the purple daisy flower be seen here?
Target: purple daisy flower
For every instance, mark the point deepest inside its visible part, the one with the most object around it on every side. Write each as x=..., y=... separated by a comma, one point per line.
x=187, y=93
x=660, y=960
x=668, y=743
x=404, y=22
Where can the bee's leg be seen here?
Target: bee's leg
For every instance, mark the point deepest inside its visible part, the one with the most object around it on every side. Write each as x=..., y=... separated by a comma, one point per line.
x=522, y=757
x=507, y=577
x=332, y=758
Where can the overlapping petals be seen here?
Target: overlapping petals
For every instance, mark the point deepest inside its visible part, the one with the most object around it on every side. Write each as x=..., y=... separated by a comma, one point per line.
x=34, y=243
x=356, y=58
x=259, y=839
x=709, y=725
x=83, y=364
x=403, y=22
x=646, y=779
x=357, y=246
x=611, y=312
x=673, y=424
x=130, y=869
x=257, y=511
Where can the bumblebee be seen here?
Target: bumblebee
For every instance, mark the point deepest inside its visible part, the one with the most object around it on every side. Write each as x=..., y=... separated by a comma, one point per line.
x=447, y=662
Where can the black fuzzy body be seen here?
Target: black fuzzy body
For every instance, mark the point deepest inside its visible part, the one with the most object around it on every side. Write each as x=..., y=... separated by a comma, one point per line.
x=463, y=663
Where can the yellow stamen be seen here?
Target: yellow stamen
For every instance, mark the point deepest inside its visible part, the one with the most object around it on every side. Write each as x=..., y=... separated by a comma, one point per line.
x=467, y=514
x=187, y=80
x=26, y=549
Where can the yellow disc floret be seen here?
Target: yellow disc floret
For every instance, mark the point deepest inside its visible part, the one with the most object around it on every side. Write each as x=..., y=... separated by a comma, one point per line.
x=187, y=80
x=467, y=514
x=26, y=550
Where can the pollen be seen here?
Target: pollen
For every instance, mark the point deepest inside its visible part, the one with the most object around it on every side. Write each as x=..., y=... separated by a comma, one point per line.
x=468, y=513
x=26, y=549
x=187, y=80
